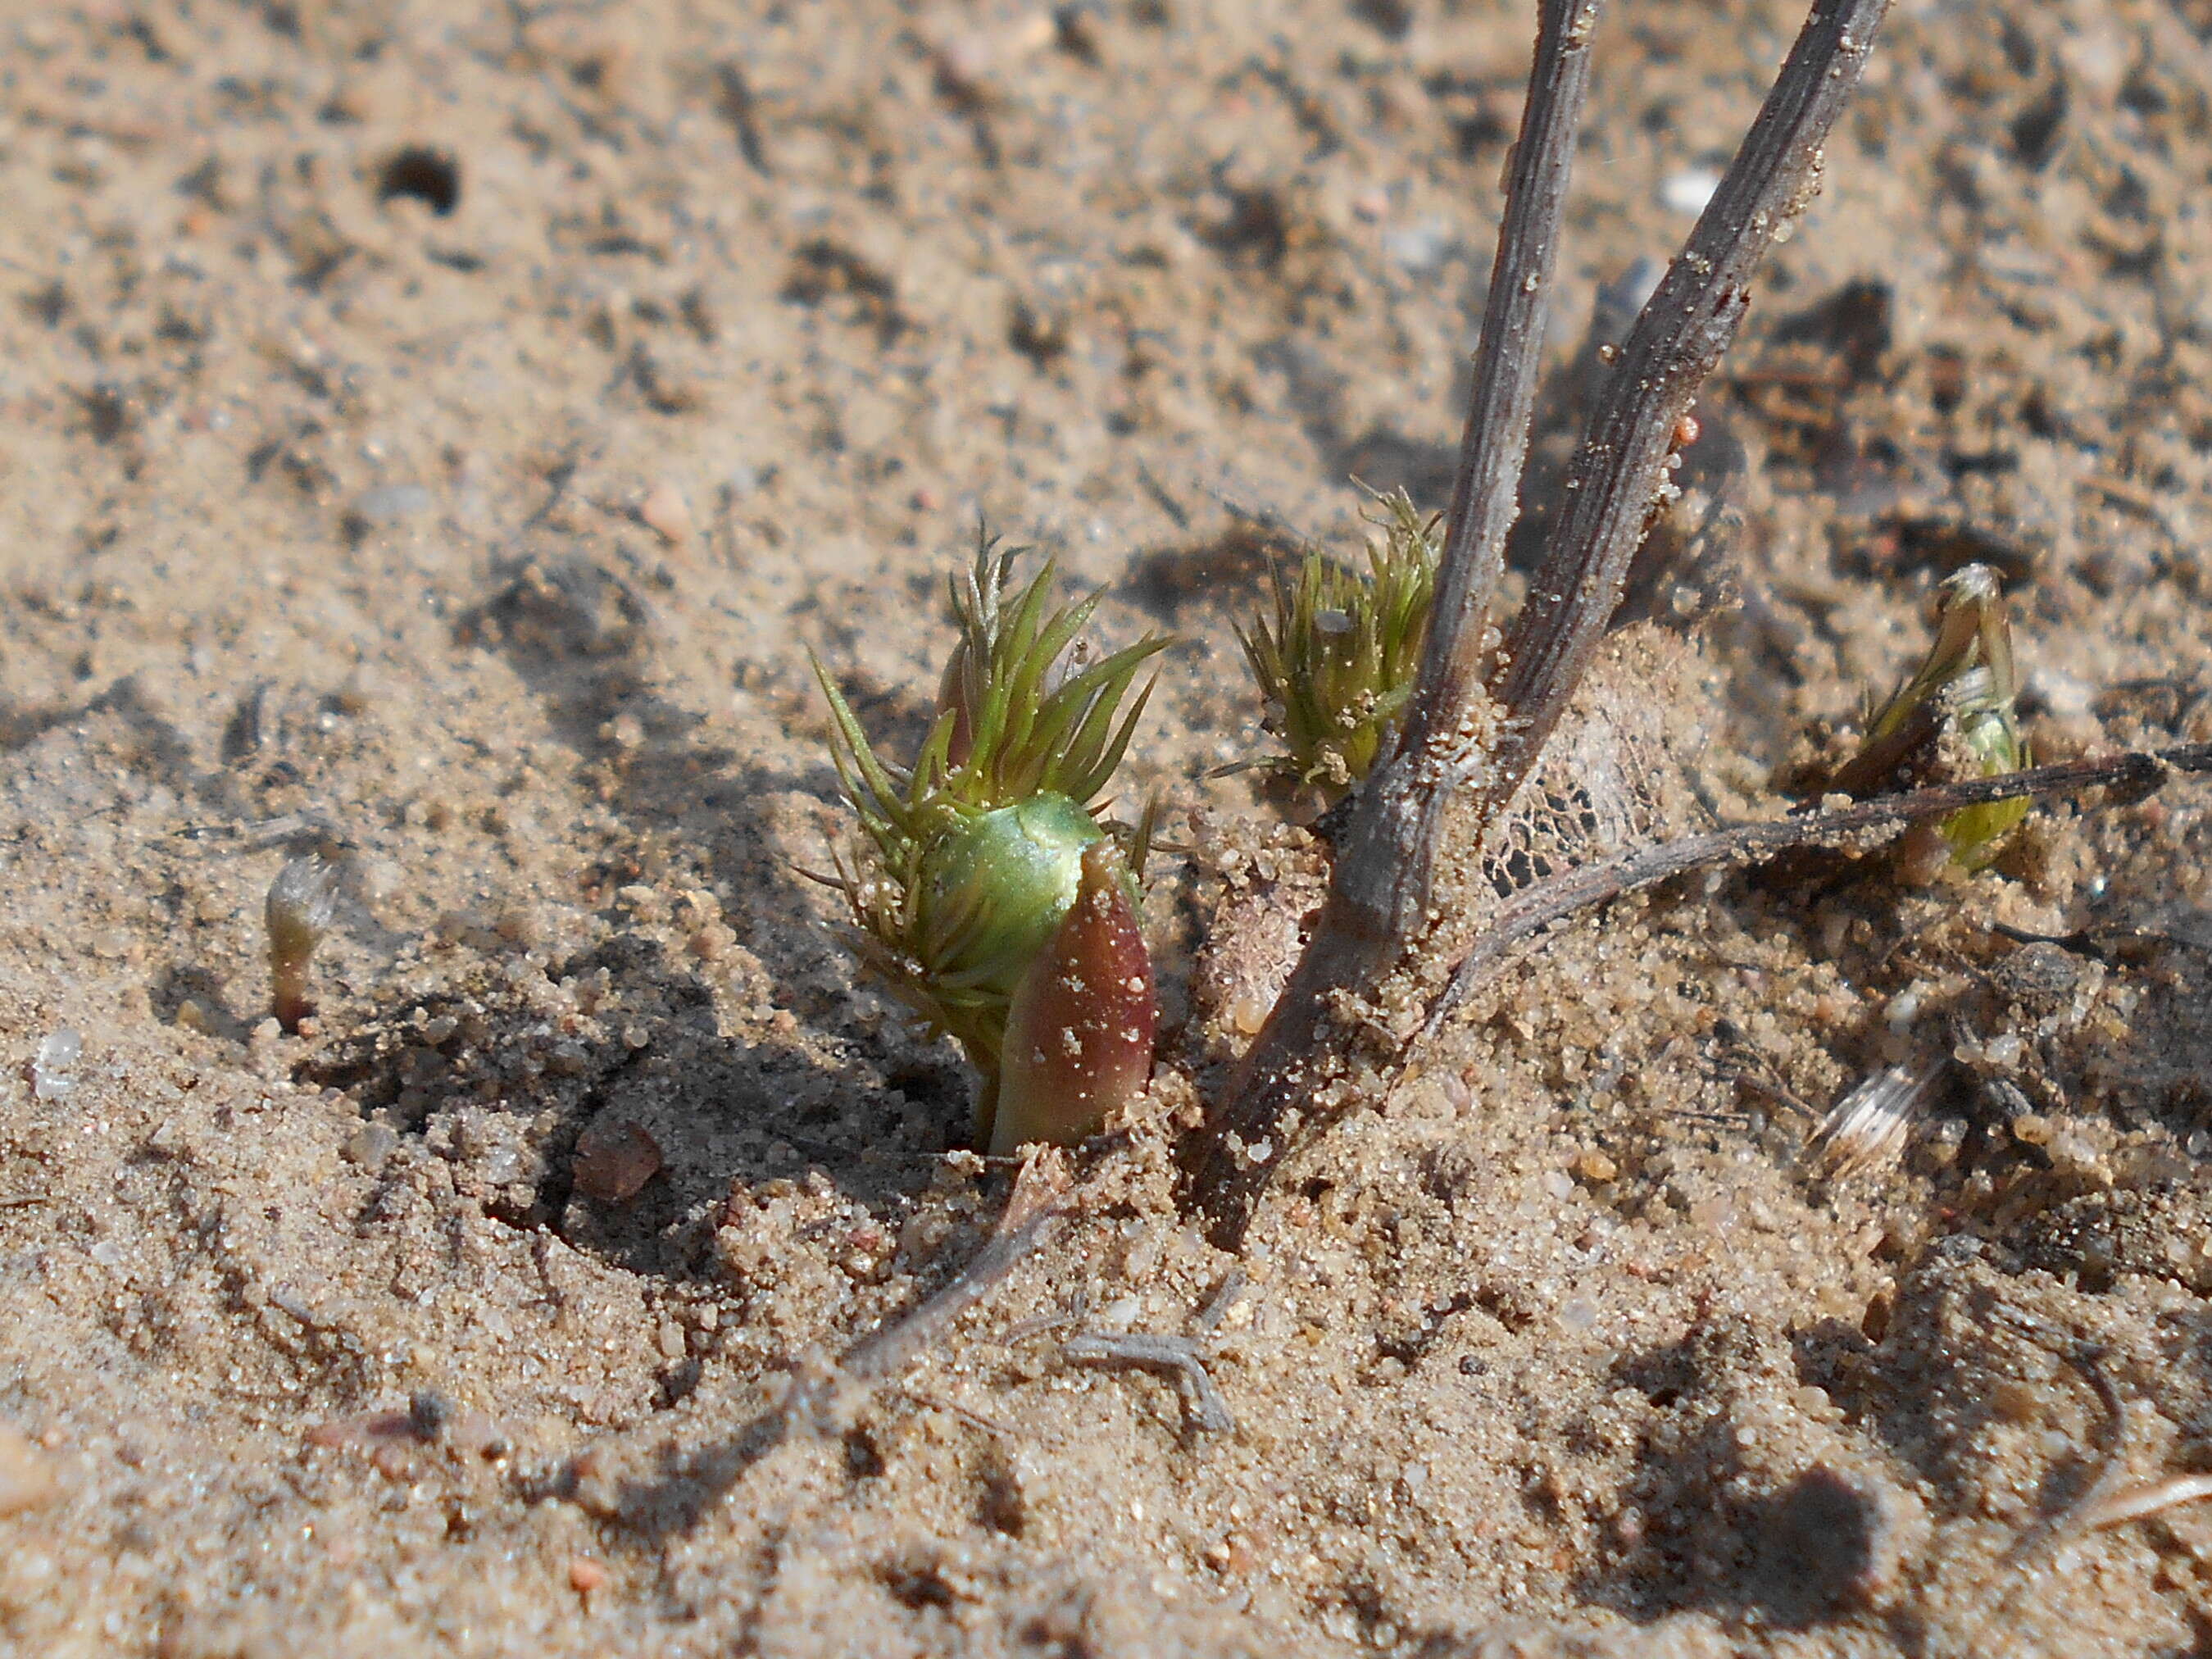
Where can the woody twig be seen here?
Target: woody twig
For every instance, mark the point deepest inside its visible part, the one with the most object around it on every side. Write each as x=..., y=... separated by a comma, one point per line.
x=1480, y=714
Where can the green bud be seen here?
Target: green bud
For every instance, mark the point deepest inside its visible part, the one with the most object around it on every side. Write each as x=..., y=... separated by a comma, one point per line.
x=1959, y=700
x=1336, y=663
x=994, y=890
x=975, y=854
x=1989, y=736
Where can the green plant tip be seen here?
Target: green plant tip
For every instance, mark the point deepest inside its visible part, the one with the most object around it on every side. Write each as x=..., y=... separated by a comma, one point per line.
x=1335, y=664
x=997, y=886
x=1954, y=717
x=974, y=854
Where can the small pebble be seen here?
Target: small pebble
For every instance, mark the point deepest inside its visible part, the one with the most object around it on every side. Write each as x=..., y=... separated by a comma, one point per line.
x=1248, y=1013
x=585, y=1575
x=27, y=1480
x=614, y=1161
x=1905, y=1007
x=1687, y=191
x=1592, y=1164
x=962, y=62
x=391, y=503
x=712, y=942
x=1712, y=1214
x=57, y=1057
x=428, y=1413
x=665, y=512
x=1420, y=248
x=2013, y=1398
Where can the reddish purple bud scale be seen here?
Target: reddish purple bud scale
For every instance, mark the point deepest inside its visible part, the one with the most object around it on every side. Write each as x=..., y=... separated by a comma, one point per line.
x=956, y=696
x=1079, y=1031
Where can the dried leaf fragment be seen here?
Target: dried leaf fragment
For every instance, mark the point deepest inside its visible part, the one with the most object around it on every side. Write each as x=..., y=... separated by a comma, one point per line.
x=1868, y=1127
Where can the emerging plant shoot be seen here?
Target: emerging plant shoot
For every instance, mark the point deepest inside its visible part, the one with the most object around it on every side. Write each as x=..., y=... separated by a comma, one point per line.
x=1336, y=664
x=1953, y=718
x=297, y=914
x=989, y=891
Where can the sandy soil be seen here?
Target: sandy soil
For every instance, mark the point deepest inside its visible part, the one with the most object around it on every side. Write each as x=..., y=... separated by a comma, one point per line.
x=454, y=426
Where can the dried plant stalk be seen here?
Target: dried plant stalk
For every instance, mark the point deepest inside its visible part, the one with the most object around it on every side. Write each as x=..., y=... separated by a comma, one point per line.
x=2136, y=1502
x=1386, y=864
x=1380, y=896
x=1619, y=477
x=2132, y=776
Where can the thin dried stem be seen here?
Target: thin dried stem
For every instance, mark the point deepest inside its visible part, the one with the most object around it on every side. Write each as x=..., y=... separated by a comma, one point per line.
x=1534, y=908
x=1379, y=899
x=2119, y=1508
x=1386, y=862
x=1620, y=475
x=1039, y=1202
x=828, y=1393
x=1507, y=360
x=1145, y=1351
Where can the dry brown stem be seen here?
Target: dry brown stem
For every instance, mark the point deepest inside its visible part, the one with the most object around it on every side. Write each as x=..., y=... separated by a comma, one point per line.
x=2133, y=1504
x=1534, y=908
x=1037, y=1204
x=1181, y=1356
x=829, y=1393
x=1379, y=899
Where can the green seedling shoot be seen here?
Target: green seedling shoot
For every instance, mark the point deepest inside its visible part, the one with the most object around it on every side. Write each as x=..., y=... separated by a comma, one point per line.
x=1336, y=664
x=990, y=898
x=1953, y=718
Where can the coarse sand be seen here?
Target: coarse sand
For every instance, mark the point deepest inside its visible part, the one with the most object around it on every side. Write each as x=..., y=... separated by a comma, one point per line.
x=442, y=432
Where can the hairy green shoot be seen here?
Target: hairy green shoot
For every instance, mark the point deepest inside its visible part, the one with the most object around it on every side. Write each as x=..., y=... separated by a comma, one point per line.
x=975, y=854
x=1336, y=663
